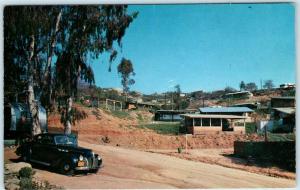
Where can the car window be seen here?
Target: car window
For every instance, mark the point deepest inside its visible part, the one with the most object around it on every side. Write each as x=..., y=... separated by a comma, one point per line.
x=47, y=140
x=65, y=140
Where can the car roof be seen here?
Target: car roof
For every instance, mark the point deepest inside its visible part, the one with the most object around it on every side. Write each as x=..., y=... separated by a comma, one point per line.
x=56, y=134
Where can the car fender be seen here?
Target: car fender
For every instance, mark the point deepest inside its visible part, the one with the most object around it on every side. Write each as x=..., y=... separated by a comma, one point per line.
x=71, y=158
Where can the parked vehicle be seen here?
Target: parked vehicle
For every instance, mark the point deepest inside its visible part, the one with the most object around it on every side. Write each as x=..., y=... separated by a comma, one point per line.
x=61, y=152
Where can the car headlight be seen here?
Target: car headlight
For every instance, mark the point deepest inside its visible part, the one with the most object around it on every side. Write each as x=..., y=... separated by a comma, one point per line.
x=80, y=157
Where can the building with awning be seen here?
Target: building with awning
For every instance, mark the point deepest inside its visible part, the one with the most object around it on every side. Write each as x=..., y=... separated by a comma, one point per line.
x=286, y=116
x=203, y=123
x=242, y=111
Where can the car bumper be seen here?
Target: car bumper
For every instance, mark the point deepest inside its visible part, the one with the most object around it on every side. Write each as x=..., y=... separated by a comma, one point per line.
x=92, y=164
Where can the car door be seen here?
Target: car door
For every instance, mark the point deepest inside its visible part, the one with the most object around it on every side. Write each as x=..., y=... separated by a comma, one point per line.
x=48, y=150
x=36, y=148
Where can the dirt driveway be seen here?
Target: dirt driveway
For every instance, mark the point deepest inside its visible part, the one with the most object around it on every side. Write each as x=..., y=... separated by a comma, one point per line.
x=126, y=168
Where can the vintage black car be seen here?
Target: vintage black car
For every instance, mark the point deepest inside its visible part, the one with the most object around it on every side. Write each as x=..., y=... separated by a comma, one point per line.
x=61, y=152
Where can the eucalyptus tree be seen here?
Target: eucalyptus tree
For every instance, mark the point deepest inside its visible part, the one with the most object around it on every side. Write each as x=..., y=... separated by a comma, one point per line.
x=53, y=47
x=125, y=68
x=242, y=85
x=268, y=84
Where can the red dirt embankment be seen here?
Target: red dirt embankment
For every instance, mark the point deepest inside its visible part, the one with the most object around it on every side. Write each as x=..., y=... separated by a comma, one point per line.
x=101, y=127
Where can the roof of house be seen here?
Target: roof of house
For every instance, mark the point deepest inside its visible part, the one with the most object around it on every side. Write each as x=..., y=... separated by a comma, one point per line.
x=244, y=104
x=176, y=111
x=240, y=92
x=214, y=116
x=225, y=110
x=288, y=110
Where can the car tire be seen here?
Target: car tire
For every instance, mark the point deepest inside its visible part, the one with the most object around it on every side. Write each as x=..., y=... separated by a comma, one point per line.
x=66, y=168
x=94, y=170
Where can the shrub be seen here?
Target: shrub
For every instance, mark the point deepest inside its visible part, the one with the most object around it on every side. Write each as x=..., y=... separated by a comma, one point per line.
x=250, y=128
x=179, y=150
x=26, y=172
x=105, y=139
x=26, y=183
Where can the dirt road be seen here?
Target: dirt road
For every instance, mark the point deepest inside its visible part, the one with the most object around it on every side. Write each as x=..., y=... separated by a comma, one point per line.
x=126, y=168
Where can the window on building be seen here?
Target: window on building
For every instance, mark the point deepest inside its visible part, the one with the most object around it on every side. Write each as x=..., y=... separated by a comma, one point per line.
x=215, y=122
x=197, y=121
x=205, y=122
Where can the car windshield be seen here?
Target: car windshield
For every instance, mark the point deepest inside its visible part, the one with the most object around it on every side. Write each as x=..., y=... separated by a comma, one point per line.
x=65, y=140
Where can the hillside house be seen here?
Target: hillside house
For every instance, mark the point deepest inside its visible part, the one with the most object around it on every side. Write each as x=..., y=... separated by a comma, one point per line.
x=248, y=105
x=171, y=115
x=283, y=102
x=283, y=111
x=238, y=95
x=133, y=105
x=287, y=85
x=286, y=116
x=213, y=123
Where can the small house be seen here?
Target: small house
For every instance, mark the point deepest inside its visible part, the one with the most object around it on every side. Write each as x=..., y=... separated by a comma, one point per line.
x=286, y=117
x=283, y=102
x=141, y=105
x=213, y=123
x=248, y=105
x=238, y=95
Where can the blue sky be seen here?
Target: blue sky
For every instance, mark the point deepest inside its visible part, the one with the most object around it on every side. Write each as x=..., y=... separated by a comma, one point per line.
x=205, y=47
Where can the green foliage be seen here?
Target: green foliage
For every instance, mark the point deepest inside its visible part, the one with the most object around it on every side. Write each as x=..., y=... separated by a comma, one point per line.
x=268, y=84
x=281, y=137
x=53, y=46
x=26, y=172
x=250, y=128
x=120, y=114
x=26, y=183
x=291, y=92
x=179, y=150
x=76, y=115
x=125, y=68
x=140, y=118
x=171, y=128
x=242, y=85
x=251, y=86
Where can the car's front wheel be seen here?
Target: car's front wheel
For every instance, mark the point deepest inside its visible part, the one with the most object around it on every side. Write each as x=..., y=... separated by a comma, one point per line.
x=66, y=168
x=94, y=170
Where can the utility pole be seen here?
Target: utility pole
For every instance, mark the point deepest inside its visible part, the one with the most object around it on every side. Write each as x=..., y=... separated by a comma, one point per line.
x=172, y=101
x=185, y=143
x=166, y=99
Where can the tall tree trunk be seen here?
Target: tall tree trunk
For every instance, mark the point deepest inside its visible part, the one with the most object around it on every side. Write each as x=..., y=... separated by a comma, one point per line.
x=68, y=125
x=32, y=103
x=47, y=74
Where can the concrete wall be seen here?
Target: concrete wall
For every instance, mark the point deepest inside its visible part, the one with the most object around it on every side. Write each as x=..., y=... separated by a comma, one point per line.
x=239, y=129
x=213, y=129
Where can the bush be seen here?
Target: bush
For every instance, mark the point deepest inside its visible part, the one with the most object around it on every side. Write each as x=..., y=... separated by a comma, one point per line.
x=179, y=150
x=121, y=114
x=250, y=128
x=26, y=172
x=26, y=183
